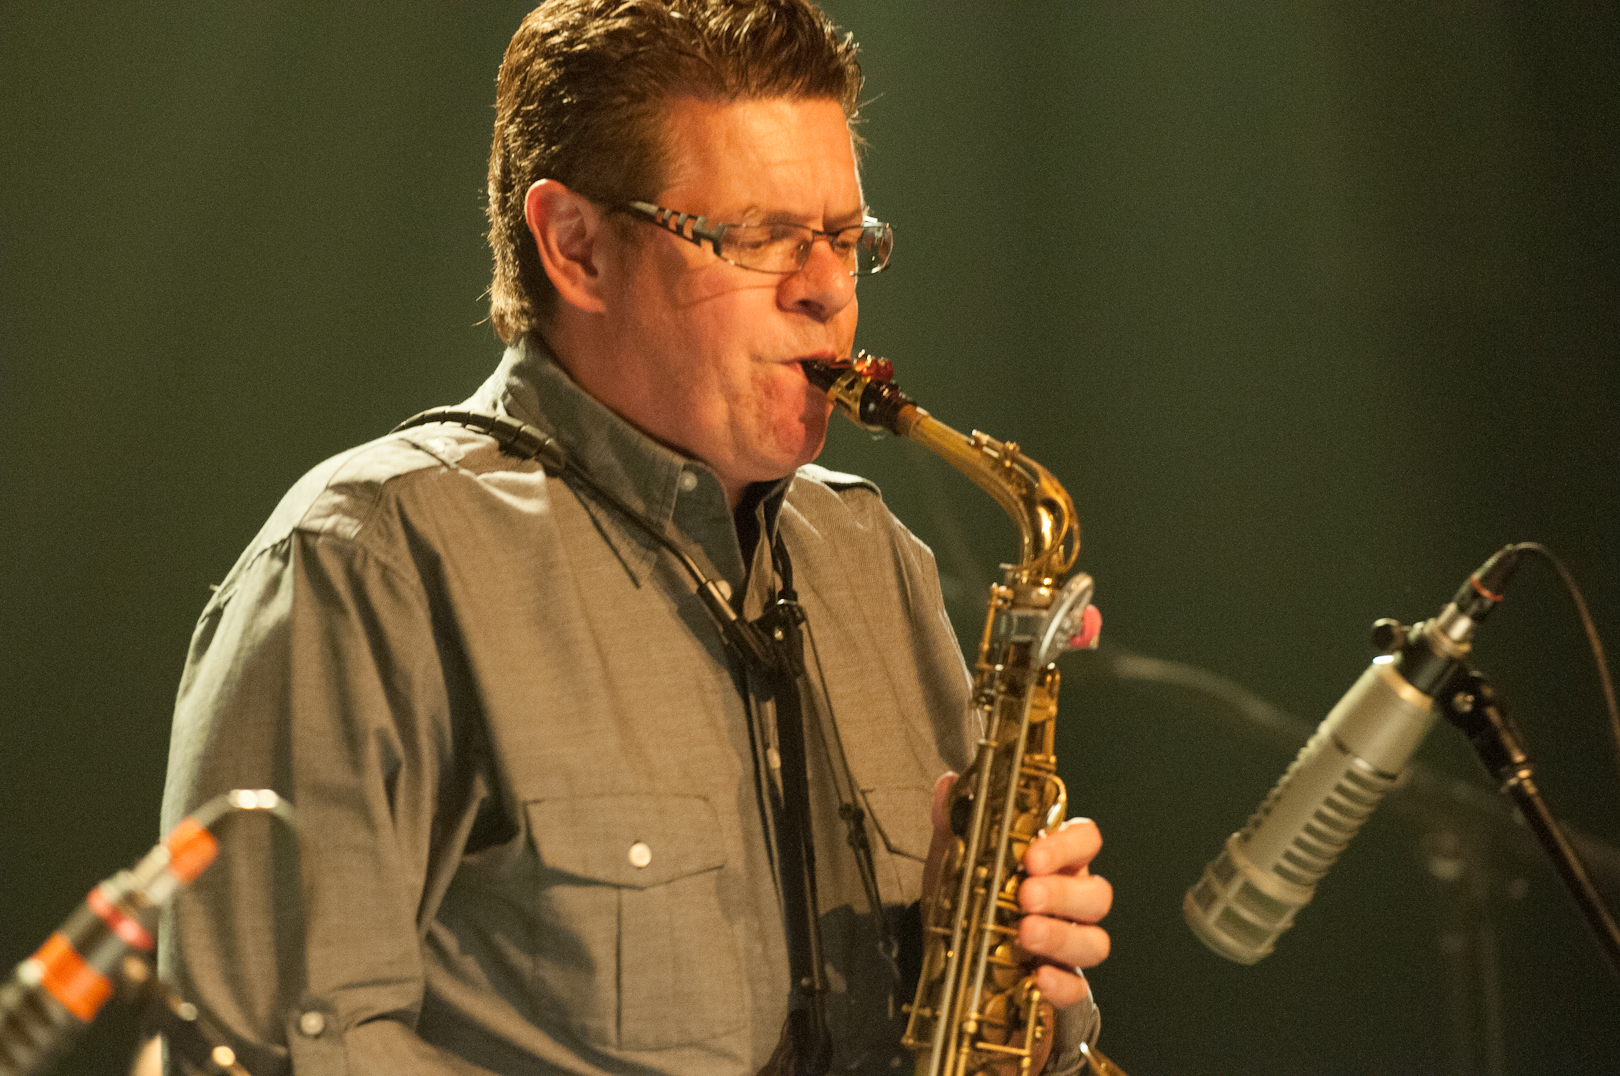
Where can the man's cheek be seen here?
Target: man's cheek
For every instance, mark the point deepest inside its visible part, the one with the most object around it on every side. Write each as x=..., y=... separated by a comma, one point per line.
x=813, y=422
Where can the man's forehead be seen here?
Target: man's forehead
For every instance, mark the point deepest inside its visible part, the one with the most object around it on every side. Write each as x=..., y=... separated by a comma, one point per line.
x=779, y=158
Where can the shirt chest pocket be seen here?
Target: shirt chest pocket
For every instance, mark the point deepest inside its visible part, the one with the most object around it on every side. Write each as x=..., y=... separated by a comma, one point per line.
x=635, y=945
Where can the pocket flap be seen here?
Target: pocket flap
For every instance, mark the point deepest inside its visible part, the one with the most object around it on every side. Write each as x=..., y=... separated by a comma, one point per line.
x=632, y=841
x=904, y=818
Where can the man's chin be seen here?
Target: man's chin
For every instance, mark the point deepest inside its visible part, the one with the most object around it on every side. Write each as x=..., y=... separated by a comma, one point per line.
x=776, y=452
x=789, y=458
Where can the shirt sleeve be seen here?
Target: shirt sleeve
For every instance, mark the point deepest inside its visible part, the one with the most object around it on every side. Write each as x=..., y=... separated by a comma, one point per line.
x=1079, y=1023
x=316, y=671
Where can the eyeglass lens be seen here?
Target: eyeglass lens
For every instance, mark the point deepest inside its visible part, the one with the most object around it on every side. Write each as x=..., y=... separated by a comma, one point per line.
x=785, y=248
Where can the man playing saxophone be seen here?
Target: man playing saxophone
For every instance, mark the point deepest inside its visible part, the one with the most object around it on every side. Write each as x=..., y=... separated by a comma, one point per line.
x=547, y=814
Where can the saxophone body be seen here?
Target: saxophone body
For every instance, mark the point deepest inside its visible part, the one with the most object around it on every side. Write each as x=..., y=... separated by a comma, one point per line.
x=977, y=1008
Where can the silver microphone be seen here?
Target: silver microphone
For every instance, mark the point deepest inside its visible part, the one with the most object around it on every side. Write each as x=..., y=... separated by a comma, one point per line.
x=1268, y=870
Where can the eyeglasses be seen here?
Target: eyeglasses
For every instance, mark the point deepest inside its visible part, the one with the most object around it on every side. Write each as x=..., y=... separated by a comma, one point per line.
x=863, y=248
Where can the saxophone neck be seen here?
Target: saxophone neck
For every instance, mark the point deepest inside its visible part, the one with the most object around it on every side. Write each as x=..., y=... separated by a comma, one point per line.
x=1037, y=503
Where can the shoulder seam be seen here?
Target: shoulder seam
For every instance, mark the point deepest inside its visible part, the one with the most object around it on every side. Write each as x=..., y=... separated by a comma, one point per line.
x=378, y=488
x=224, y=594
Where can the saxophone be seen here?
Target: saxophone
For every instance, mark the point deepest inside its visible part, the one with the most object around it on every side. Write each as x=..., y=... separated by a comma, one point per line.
x=977, y=1009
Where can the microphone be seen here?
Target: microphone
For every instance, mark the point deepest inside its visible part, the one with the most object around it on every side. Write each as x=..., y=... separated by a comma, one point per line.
x=1268, y=870
x=54, y=995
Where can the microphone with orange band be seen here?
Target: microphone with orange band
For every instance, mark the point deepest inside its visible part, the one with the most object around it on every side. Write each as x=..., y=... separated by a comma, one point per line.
x=57, y=992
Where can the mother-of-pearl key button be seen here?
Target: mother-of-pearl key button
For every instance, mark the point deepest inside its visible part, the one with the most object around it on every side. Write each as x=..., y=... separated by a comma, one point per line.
x=640, y=854
x=687, y=481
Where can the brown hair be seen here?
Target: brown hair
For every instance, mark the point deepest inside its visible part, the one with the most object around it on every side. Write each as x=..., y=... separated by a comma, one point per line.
x=583, y=89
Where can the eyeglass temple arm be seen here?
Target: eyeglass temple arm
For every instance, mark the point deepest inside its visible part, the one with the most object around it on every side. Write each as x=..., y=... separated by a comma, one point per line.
x=677, y=222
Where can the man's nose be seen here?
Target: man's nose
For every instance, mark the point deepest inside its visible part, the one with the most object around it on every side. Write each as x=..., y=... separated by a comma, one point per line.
x=823, y=286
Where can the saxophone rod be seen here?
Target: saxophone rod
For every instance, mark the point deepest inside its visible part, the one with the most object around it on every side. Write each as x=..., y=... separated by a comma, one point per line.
x=964, y=895
x=1009, y=809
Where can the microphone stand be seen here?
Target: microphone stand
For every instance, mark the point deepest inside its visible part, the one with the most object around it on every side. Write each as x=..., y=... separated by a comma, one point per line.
x=1476, y=711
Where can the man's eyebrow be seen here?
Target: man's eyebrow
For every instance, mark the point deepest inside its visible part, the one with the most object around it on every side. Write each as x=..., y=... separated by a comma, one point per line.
x=836, y=223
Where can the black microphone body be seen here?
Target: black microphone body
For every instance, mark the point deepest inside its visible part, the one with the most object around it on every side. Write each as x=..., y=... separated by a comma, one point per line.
x=57, y=992
x=1269, y=869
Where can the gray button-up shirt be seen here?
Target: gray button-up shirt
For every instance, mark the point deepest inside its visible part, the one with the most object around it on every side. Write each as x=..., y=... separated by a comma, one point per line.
x=534, y=796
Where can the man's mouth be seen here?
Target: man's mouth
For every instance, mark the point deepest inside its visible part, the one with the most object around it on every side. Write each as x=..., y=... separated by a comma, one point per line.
x=819, y=356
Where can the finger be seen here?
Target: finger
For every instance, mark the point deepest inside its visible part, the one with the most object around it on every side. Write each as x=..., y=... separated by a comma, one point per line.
x=941, y=841
x=1073, y=944
x=1068, y=848
x=1061, y=986
x=942, y=791
x=1083, y=898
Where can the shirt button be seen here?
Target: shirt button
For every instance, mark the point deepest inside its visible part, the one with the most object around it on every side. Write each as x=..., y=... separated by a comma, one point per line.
x=640, y=854
x=688, y=481
x=312, y=1024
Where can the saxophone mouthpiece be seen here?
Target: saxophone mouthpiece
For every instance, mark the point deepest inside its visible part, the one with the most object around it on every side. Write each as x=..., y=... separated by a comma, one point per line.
x=823, y=373
x=862, y=389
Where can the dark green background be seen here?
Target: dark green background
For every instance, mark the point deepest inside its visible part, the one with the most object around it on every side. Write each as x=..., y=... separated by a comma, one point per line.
x=1311, y=307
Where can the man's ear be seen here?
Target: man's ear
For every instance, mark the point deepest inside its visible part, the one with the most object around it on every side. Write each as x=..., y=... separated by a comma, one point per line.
x=566, y=227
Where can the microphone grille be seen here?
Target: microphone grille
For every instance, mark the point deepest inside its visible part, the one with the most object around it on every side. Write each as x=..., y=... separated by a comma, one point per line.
x=1232, y=914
